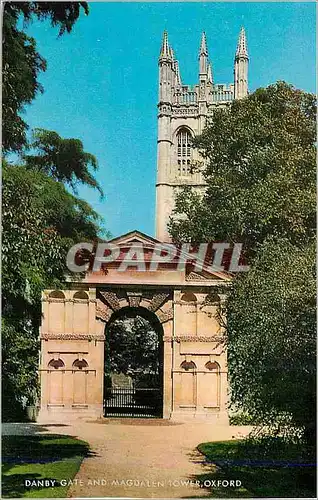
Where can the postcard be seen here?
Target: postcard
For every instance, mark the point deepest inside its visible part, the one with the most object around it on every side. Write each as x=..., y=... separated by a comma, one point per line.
x=158, y=222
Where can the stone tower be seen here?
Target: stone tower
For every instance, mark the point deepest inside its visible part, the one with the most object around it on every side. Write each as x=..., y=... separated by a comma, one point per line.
x=182, y=114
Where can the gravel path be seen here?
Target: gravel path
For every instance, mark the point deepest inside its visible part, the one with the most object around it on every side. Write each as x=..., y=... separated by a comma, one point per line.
x=141, y=458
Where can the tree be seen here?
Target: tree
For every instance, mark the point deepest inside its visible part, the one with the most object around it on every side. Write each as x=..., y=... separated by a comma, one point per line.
x=272, y=339
x=260, y=172
x=62, y=159
x=41, y=220
x=20, y=350
x=131, y=348
x=22, y=64
x=63, y=15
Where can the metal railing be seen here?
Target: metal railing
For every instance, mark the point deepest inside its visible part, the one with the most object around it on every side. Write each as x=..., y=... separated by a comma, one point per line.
x=133, y=402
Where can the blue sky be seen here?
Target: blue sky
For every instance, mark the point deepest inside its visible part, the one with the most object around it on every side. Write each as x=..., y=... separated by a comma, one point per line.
x=101, y=82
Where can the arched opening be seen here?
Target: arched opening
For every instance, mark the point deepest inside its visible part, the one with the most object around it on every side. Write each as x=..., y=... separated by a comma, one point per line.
x=133, y=381
x=56, y=364
x=213, y=366
x=80, y=295
x=56, y=294
x=188, y=384
x=55, y=381
x=80, y=381
x=79, y=364
x=188, y=297
x=188, y=365
x=189, y=310
x=211, y=398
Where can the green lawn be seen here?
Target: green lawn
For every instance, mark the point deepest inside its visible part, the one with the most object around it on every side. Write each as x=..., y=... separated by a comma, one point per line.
x=46, y=457
x=274, y=470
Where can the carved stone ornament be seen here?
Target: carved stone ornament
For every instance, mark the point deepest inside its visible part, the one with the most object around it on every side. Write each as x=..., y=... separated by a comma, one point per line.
x=134, y=298
x=111, y=299
x=157, y=300
x=195, y=277
x=165, y=316
x=103, y=312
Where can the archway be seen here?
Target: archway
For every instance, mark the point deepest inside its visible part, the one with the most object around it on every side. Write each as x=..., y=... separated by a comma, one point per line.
x=133, y=366
x=187, y=323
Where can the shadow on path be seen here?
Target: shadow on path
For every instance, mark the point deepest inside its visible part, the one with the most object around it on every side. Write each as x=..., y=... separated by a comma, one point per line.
x=253, y=478
x=41, y=448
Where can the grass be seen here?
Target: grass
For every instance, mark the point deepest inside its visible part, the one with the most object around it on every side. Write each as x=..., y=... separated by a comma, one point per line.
x=269, y=469
x=40, y=457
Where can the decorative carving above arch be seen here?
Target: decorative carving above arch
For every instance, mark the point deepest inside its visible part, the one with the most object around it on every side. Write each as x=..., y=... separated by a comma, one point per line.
x=157, y=300
x=111, y=299
x=164, y=316
x=103, y=312
x=134, y=298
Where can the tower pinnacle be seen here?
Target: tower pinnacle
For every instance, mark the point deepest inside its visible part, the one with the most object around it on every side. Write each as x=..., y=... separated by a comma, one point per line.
x=166, y=70
x=203, y=56
x=241, y=67
x=203, y=46
x=241, y=50
x=165, y=51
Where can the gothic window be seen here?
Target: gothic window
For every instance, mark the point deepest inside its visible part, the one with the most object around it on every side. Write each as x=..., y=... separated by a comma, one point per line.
x=184, y=151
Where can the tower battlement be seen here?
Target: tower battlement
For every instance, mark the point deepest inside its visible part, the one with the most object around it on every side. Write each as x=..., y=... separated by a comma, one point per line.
x=219, y=93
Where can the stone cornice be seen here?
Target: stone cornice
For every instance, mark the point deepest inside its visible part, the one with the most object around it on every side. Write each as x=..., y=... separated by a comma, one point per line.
x=77, y=301
x=71, y=336
x=193, y=338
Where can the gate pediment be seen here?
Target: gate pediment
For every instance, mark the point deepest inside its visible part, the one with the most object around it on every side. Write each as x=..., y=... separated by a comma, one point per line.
x=147, y=267
x=133, y=237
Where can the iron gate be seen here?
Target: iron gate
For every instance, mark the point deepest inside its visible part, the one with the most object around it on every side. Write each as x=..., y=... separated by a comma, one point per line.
x=132, y=402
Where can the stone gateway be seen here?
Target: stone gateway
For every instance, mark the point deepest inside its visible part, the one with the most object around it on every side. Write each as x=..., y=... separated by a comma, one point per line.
x=183, y=302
